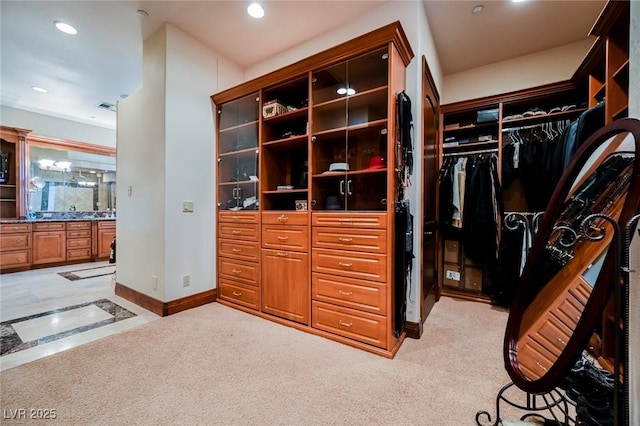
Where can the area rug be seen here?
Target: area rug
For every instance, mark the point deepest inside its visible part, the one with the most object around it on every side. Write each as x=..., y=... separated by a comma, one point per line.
x=82, y=274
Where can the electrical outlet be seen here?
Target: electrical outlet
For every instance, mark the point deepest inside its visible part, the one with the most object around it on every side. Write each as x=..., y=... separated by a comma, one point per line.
x=186, y=280
x=154, y=282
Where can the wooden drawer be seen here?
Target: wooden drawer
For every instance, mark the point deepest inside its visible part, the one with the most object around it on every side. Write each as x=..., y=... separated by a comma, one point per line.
x=48, y=226
x=79, y=234
x=8, y=228
x=360, y=326
x=362, y=295
x=78, y=225
x=288, y=237
x=238, y=217
x=14, y=241
x=238, y=293
x=84, y=253
x=14, y=259
x=285, y=218
x=107, y=224
x=452, y=251
x=238, y=270
x=367, y=240
x=534, y=359
x=473, y=278
x=239, y=250
x=365, y=266
x=552, y=335
x=78, y=243
x=350, y=220
x=238, y=231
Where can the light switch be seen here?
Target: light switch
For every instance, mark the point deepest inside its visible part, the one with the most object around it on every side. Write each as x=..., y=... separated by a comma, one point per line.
x=187, y=206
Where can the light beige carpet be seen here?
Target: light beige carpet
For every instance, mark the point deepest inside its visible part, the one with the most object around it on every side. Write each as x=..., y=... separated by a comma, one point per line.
x=215, y=365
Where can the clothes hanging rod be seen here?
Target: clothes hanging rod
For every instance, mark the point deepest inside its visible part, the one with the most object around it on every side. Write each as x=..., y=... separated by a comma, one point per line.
x=463, y=153
x=532, y=126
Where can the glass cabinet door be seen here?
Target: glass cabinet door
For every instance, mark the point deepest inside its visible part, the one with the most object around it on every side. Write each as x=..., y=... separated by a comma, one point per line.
x=349, y=139
x=238, y=154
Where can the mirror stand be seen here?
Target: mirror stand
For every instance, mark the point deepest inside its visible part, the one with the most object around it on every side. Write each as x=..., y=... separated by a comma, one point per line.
x=554, y=402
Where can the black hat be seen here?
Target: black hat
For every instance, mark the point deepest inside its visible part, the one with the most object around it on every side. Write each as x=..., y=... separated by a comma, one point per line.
x=333, y=203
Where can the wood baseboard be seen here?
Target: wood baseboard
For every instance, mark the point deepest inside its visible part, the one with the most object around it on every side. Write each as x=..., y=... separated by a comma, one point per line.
x=413, y=329
x=161, y=308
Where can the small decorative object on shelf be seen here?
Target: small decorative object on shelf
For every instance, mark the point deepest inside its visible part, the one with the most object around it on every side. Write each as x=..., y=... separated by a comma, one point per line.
x=273, y=108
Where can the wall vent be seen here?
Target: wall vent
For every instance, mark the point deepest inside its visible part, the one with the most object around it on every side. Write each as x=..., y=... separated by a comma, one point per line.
x=107, y=105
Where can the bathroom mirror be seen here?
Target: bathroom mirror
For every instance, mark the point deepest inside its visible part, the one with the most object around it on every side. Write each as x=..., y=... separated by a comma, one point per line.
x=64, y=179
x=571, y=268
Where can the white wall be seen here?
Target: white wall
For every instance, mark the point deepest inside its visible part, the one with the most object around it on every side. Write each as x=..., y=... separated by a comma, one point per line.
x=46, y=125
x=634, y=288
x=166, y=151
x=535, y=69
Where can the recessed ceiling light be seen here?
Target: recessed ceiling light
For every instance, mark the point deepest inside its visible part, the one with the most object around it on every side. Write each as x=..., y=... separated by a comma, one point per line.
x=477, y=9
x=518, y=1
x=65, y=28
x=39, y=89
x=255, y=10
x=142, y=13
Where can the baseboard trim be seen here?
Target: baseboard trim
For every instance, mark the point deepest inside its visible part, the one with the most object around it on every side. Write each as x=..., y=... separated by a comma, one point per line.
x=161, y=308
x=413, y=329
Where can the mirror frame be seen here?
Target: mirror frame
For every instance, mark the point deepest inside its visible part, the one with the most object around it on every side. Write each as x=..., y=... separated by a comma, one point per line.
x=64, y=145
x=603, y=286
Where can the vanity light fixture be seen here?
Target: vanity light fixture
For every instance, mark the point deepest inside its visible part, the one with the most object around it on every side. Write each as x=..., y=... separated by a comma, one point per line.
x=45, y=163
x=65, y=28
x=39, y=89
x=346, y=91
x=255, y=10
x=64, y=165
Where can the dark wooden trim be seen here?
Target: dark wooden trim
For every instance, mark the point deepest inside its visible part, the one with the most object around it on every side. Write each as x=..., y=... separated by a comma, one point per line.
x=609, y=17
x=592, y=60
x=391, y=33
x=165, y=308
x=414, y=330
x=518, y=95
x=49, y=142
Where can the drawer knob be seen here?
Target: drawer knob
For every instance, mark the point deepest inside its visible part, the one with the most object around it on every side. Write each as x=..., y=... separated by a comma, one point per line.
x=344, y=324
x=236, y=271
x=236, y=250
x=561, y=341
x=345, y=239
x=540, y=365
x=282, y=254
x=283, y=219
x=345, y=293
x=237, y=293
x=281, y=238
x=345, y=265
x=236, y=232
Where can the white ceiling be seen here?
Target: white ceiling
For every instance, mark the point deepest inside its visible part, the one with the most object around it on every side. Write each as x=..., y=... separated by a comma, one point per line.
x=103, y=62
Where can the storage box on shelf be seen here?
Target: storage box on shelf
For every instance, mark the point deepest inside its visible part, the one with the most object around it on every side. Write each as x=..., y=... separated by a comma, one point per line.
x=335, y=107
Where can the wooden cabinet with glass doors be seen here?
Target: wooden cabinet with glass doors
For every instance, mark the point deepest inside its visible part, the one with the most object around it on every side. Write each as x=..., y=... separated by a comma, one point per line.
x=325, y=196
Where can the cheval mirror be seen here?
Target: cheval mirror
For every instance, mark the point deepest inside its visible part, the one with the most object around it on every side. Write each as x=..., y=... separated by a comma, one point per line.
x=572, y=266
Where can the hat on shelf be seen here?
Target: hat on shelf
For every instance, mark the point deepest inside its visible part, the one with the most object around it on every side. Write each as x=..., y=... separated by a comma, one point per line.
x=376, y=163
x=333, y=203
x=338, y=167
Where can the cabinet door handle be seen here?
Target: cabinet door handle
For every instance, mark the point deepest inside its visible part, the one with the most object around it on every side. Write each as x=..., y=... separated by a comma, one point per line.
x=236, y=250
x=283, y=219
x=236, y=232
x=349, y=187
x=345, y=239
x=282, y=254
x=342, y=187
x=345, y=265
x=237, y=293
x=345, y=293
x=236, y=271
x=344, y=324
x=281, y=238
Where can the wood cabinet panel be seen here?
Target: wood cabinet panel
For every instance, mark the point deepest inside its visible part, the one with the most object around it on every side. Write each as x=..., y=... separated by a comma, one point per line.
x=286, y=218
x=76, y=243
x=105, y=238
x=49, y=226
x=79, y=234
x=242, y=250
x=244, y=232
x=79, y=254
x=72, y=226
x=285, y=237
x=7, y=228
x=363, y=295
x=237, y=217
x=238, y=293
x=238, y=270
x=15, y=259
x=364, y=327
x=365, y=240
x=285, y=284
x=351, y=220
x=366, y=266
x=9, y=242
x=49, y=246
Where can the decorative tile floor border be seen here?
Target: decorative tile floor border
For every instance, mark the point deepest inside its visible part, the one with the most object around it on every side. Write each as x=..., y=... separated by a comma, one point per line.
x=100, y=271
x=10, y=342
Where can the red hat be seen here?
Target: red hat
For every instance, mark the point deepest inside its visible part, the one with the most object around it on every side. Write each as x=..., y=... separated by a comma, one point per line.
x=376, y=163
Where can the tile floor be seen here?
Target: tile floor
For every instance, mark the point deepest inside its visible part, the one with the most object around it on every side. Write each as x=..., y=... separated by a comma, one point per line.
x=46, y=311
